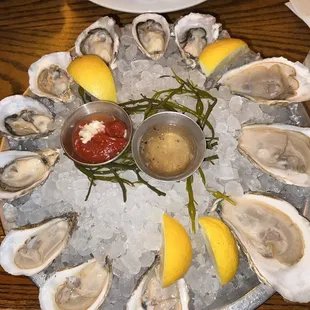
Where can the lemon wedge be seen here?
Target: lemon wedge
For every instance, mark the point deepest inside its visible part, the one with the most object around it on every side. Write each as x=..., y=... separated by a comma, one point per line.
x=222, y=247
x=176, y=251
x=220, y=54
x=91, y=73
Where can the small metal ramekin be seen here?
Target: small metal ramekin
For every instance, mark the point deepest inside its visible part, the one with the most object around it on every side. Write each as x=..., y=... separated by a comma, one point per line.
x=176, y=119
x=87, y=109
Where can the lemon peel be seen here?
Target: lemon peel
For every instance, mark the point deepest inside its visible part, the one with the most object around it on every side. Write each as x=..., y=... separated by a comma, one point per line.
x=222, y=247
x=220, y=54
x=176, y=252
x=92, y=73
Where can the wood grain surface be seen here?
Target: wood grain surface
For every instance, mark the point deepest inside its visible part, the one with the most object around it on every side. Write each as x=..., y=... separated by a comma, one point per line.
x=32, y=28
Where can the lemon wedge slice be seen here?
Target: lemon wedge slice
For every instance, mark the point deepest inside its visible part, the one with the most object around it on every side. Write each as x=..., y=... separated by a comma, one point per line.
x=176, y=251
x=222, y=247
x=92, y=73
x=220, y=54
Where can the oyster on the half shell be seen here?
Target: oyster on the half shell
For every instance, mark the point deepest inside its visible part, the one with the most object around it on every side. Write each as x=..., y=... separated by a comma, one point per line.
x=150, y=295
x=151, y=33
x=276, y=240
x=102, y=39
x=270, y=81
x=278, y=149
x=193, y=32
x=30, y=249
x=48, y=77
x=84, y=287
x=24, y=118
x=22, y=171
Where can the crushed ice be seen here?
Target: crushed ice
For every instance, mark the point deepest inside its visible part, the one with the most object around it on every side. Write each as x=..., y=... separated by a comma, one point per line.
x=130, y=232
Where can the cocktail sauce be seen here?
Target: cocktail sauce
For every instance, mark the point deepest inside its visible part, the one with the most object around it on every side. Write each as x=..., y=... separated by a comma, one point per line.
x=103, y=145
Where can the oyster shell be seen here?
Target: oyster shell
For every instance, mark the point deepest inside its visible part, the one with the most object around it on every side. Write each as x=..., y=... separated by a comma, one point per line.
x=30, y=249
x=82, y=287
x=150, y=295
x=102, y=39
x=270, y=81
x=193, y=32
x=22, y=171
x=152, y=34
x=48, y=77
x=276, y=240
x=280, y=150
x=24, y=118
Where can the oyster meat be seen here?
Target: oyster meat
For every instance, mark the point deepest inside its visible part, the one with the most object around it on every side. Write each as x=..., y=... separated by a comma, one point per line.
x=280, y=150
x=193, y=32
x=102, y=39
x=30, y=249
x=48, y=77
x=24, y=118
x=149, y=294
x=22, y=171
x=270, y=81
x=276, y=240
x=152, y=34
x=84, y=287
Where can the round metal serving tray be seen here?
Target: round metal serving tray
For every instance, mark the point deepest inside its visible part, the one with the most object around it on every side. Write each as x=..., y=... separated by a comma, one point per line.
x=250, y=296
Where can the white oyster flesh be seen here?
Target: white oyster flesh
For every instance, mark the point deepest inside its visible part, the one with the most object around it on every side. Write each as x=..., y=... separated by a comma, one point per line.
x=54, y=80
x=30, y=249
x=78, y=288
x=151, y=33
x=151, y=36
x=149, y=295
x=98, y=42
x=101, y=38
x=48, y=77
x=193, y=32
x=276, y=240
x=22, y=171
x=23, y=118
x=270, y=81
x=195, y=42
x=280, y=150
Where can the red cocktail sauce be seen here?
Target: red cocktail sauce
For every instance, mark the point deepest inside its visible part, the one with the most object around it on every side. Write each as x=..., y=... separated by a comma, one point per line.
x=105, y=144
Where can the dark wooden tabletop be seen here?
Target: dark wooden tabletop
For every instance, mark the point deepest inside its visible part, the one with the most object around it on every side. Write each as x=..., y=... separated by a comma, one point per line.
x=32, y=28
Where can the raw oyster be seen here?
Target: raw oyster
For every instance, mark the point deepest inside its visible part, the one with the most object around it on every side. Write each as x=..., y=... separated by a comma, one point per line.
x=30, y=249
x=152, y=34
x=150, y=295
x=22, y=171
x=280, y=150
x=24, y=118
x=193, y=32
x=276, y=240
x=101, y=38
x=48, y=77
x=270, y=81
x=82, y=287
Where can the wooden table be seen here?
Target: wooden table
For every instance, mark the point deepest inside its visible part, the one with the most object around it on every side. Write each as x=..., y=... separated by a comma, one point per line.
x=32, y=28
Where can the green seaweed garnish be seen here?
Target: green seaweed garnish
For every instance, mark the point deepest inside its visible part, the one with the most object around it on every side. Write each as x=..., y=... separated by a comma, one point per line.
x=160, y=101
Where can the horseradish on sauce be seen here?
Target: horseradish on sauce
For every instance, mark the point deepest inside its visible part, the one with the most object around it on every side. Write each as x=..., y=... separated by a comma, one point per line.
x=89, y=130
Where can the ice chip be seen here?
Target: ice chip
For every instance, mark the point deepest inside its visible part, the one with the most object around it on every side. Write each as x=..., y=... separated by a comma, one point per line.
x=131, y=52
x=233, y=123
x=233, y=188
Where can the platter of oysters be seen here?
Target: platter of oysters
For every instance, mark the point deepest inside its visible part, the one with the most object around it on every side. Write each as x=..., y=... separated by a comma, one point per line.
x=114, y=251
